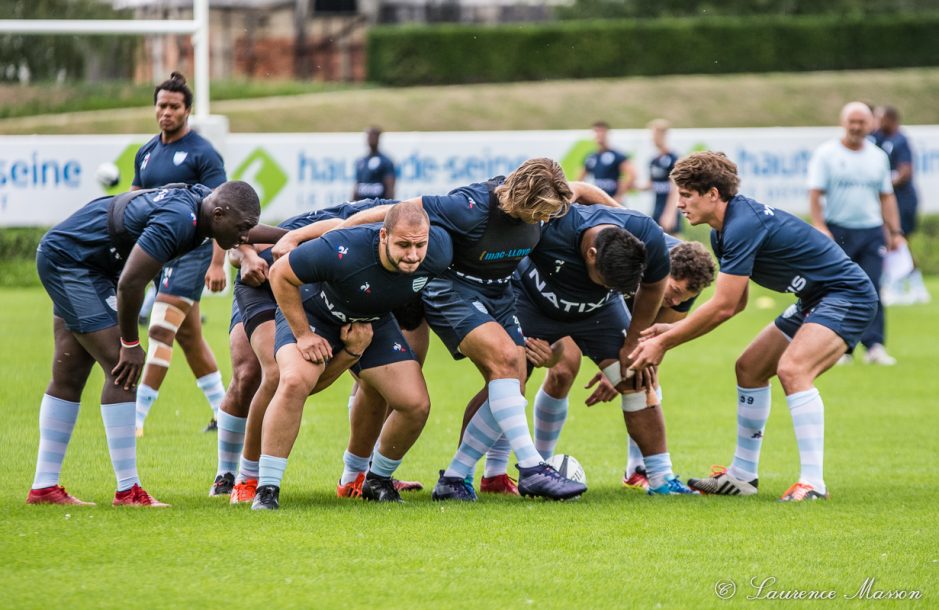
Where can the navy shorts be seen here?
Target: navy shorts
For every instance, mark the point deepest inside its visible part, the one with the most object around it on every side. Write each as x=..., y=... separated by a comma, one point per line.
x=848, y=314
x=387, y=347
x=185, y=276
x=235, y=316
x=454, y=309
x=256, y=304
x=599, y=336
x=85, y=298
x=907, y=216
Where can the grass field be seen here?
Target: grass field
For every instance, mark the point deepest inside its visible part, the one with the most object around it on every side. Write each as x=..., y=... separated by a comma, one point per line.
x=739, y=100
x=611, y=549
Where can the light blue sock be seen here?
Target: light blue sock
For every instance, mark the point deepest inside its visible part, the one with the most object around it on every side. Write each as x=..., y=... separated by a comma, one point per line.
x=352, y=466
x=753, y=406
x=658, y=469
x=508, y=408
x=119, y=420
x=146, y=396
x=550, y=415
x=481, y=433
x=383, y=466
x=249, y=470
x=231, y=440
x=214, y=390
x=57, y=419
x=808, y=419
x=634, y=460
x=497, y=458
x=271, y=470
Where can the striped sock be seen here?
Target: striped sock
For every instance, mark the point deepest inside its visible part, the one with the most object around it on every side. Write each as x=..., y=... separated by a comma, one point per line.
x=271, y=470
x=752, y=412
x=634, y=460
x=659, y=469
x=211, y=385
x=352, y=466
x=383, y=466
x=481, y=433
x=57, y=419
x=550, y=415
x=508, y=408
x=146, y=396
x=231, y=440
x=249, y=470
x=497, y=458
x=808, y=419
x=122, y=443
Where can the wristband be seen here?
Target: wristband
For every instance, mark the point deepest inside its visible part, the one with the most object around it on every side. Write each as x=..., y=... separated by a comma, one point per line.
x=130, y=344
x=350, y=352
x=612, y=373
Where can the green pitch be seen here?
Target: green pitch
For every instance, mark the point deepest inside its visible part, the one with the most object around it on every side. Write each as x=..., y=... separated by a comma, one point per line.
x=612, y=549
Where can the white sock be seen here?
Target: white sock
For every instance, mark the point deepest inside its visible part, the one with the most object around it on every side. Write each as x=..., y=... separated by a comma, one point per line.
x=550, y=415
x=57, y=419
x=808, y=419
x=211, y=385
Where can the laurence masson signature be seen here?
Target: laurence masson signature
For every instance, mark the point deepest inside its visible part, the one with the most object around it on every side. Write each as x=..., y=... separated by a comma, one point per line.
x=767, y=588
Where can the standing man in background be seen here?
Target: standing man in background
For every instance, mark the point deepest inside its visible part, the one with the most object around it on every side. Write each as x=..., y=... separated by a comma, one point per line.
x=374, y=173
x=179, y=155
x=609, y=169
x=859, y=210
x=665, y=211
x=910, y=289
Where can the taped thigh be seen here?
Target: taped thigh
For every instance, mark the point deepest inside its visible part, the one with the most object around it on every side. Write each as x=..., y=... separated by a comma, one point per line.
x=167, y=316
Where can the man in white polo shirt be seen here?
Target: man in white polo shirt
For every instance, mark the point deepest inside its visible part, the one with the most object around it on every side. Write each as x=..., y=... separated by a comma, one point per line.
x=851, y=200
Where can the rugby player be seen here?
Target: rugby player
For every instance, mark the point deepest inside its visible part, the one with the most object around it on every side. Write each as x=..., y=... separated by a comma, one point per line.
x=375, y=172
x=359, y=275
x=95, y=266
x=609, y=169
x=179, y=155
x=836, y=303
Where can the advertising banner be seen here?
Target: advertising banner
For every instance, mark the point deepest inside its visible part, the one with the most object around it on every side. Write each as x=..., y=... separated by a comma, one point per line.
x=45, y=178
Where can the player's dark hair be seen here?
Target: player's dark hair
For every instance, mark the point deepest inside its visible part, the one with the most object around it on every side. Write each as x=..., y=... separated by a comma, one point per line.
x=176, y=83
x=691, y=261
x=600, y=125
x=890, y=112
x=702, y=171
x=621, y=259
x=239, y=197
x=406, y=213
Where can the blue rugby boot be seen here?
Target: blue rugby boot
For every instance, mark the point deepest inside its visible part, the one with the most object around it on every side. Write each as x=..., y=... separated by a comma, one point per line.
x=453, y=488
x=546, y=482
x=672, y=487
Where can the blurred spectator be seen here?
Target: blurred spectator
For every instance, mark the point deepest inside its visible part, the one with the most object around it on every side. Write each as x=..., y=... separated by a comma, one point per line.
x=665, y=211
x=374, y=173
x=609, y=169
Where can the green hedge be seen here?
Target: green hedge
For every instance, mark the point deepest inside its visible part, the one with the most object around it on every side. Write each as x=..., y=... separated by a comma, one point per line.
x=442, y=54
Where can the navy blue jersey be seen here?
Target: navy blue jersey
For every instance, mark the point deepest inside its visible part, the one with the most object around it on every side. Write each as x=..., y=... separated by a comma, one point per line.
x=555, y=273
x=341, y=211
x=370, y=174
x=604, y=168
x=899, y=152
x=781, y=252
x=351, y=282
x=465, y=214
x=659, y=169
x=163, y=223
x=190, y=159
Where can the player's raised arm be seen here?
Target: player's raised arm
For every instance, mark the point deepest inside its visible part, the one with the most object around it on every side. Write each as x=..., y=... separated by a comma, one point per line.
x=264, y=234
x=730, y=298
x=590, y=194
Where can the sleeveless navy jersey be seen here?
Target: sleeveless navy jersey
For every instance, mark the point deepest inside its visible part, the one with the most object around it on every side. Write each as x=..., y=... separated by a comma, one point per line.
x=487, y=243
x=604, y=168
x=783, y=253
x=163, y=223
x=351, y=283
x=191, y=159
x=370, y=174
x=555, y=274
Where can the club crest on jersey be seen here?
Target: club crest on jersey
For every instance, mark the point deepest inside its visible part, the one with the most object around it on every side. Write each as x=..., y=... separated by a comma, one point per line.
x=146, y=159
x=179, y=157
x=418, y=283
x=398, y=347
x=342, y=250
x=366, y=288
x=193, y=216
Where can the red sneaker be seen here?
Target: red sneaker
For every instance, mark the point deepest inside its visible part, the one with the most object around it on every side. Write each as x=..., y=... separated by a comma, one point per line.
x=352, y=489
x=637, y=480
x=800, y=492
x=244, y=491
x=55, y=494
x=501, y=484
x=137, y=496
x=407, y=485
